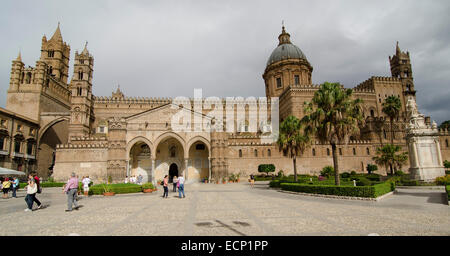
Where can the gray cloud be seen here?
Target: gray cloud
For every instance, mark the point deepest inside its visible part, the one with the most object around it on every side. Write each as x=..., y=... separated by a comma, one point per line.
x=168, y=48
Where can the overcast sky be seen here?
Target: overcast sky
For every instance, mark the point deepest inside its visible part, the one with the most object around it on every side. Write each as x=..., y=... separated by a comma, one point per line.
x=168, y=48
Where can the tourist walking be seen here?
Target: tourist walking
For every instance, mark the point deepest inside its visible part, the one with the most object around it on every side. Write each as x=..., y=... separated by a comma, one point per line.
x=86, y=181
x=175, y=183
x=139, y=179
x=15, y=187
x=252, y=180
x=165, y=185
x=180, y=186
x=30, y=198
x=71, y=190
x=6, y=184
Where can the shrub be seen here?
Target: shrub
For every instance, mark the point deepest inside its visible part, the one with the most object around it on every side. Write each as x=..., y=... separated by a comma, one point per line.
x=365, y=191
x=116, y=188
x=51, y=184
x=361, y=181
x=280, y=173
x=371, y=168
x=327, y=171
x=148, y=186
x=447, y=188
x=345, y=175
x=445, y=180
x=407, y=182
x=352, y=173
x=446, y=164
x=266, y=168
x=399, y=173
x=373, y=177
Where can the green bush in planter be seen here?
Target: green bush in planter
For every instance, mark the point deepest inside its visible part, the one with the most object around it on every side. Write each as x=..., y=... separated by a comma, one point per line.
x=373, y=177
x=120, y=188
x=399, y=173
x=352, y=173
x=148, y=186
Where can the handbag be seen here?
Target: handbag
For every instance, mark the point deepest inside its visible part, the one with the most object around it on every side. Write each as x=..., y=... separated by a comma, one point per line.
x=178, y=184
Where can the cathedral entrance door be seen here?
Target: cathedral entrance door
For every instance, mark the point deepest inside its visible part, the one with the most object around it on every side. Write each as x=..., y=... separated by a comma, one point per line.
x=173, y=171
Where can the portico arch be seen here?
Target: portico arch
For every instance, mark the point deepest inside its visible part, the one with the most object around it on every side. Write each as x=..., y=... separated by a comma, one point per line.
x=142, y=139
x=169, y=150
x=139, y=161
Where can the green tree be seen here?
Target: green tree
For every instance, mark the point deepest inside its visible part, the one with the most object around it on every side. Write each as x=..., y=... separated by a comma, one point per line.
x=390, y=156
x=445, y=125
x=332, y=116
x=371, y=168
x=391, y=107
x=292, y=139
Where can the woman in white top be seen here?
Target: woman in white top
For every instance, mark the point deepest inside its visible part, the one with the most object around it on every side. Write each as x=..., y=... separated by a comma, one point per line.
x=175, y=183
x=31, y=194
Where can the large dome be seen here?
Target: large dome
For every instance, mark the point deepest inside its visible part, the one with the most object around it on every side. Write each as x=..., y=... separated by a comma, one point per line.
x=284, y=52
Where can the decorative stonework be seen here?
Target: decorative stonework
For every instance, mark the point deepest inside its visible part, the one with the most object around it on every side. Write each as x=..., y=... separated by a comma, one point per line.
x=423, y=145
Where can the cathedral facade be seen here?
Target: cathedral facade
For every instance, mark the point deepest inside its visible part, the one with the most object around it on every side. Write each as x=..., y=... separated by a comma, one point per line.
x=120, y=136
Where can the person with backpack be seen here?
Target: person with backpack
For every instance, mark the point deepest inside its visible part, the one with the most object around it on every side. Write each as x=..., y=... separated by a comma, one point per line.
x=32, y=189
x=6, y=185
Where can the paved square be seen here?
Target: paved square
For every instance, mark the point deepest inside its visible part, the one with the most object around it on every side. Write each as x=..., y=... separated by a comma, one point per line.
x=229, y=209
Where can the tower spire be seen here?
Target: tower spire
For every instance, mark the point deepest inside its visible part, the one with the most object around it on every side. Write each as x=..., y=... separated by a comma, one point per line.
x=19, y=57
x=397, y=49
x=57, y=35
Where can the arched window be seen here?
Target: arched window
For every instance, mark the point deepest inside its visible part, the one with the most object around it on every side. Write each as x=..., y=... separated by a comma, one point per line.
x=200, y=146
x=173, y=151
x=256, y=153
x=384, y=133
x=50, y=70
x=340, y=151
x=30, y=148
x=446, y=143
x=22, y=76
x=269, y=153
x=354, y=151
x=328, y=151
x=2, y=142
x=372, y=113
x=80, y=75
x=51, y=54
x=79, y=91
x=279, y=84
x=314, y=152
x=240, y=152
x=368, y=151
x=28, y=79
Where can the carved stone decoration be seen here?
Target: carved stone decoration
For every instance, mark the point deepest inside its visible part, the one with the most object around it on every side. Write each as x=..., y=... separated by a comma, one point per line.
x=423, y=146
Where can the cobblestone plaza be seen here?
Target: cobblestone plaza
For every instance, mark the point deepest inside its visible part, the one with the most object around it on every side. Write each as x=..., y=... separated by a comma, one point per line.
x=229, y=210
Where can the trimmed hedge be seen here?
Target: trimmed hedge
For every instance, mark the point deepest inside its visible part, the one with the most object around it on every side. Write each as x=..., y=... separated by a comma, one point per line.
x=361, y=191
x=46, y=184
x=116, y=188
x=447, y=188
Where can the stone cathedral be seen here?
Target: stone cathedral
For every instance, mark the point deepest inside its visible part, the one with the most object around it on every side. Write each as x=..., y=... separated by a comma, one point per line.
x=54, y=124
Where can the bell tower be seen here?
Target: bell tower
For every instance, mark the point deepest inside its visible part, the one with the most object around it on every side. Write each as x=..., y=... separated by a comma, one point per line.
x=81, y=112
x=401, y=68
x=55, y=53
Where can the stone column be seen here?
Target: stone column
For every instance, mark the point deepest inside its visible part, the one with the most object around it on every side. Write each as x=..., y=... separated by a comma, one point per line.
x=186, y=161
x=438, y=148
x=128, y=168
x=209, y=169
x=153, y=171
x=416, y=157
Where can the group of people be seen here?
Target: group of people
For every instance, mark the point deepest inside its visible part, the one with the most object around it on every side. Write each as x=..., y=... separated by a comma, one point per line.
x=134, y=180
x=178, y=182
x=9, y=184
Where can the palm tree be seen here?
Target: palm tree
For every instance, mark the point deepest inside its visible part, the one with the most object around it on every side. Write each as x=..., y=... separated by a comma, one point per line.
x=292, y=139
x=332, y=117
x=391, y=107
x=389, y=156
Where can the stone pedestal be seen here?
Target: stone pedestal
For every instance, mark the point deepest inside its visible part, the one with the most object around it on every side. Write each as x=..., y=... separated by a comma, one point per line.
x=423, y=146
